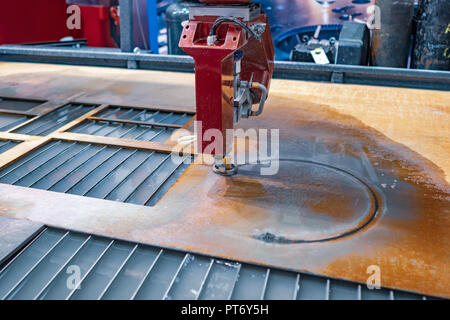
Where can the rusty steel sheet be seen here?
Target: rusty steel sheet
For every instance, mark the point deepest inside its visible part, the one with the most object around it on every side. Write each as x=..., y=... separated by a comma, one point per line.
x=363, y=180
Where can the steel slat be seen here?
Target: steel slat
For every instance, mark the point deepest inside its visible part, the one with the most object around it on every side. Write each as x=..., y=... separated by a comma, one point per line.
x=117, y=272
x=59, y=173
x=9, y=121
x=62, y=267
x=28, y=158
x=175, y=277
x=144, y=278
x=163, y=182
x=161, y=275
x=136, y=271
x=266, y=281
x=205, y=278
x=40, y=276
x=100, y=172
x=119, y=191
x=36, y=127
x=220, y=282
x=131, y=277
x=35, y=265
x=34, y=164
x=61, y=121
x=143, y=178
x=281, y=285
x=235, y=281
x=83, y=170
x=101, y=274
x=92, y=267
x=52, y=164
x=111, y=174
x=250, y=283
x=6, y=145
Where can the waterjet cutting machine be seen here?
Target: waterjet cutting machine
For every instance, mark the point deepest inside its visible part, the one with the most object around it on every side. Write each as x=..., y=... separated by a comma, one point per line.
x=231, y=44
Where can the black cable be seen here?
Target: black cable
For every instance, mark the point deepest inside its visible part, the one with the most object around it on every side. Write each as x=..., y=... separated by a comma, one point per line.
x=221, y=20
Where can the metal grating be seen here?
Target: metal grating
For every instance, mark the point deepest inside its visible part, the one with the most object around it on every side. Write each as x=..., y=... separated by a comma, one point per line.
x=145, y=115
x=126, y=131
x=5, y=145
x=18, y=105
x=54, y=120
x=9, y=121
x=111, y=173
x=112, y=269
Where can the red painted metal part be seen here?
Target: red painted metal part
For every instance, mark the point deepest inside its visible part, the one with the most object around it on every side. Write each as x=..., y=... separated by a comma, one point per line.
x=95, y=26
x=32, y=21
x=214, y=67
x=46, y=20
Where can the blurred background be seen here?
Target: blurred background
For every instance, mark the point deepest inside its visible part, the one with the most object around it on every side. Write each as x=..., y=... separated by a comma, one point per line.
x=157, y=25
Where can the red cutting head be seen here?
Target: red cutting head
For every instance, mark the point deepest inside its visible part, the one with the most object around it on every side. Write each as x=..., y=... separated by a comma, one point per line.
x=214, y=71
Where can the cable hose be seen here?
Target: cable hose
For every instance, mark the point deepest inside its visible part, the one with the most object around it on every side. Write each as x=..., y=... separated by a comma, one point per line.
x=221, y=20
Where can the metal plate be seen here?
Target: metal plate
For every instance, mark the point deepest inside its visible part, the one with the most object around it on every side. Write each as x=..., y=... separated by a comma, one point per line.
x=14, y=234
x=54, y=120
x=308, y=202
x=18, y=104
x=112, y=269
x=126, y=175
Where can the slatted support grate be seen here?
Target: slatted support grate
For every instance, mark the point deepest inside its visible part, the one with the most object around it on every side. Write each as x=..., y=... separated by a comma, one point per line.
x=10, y=121
x=125, y=131
x=54, y=120
x=112, y=269
x=134, y=123
x=5, y=145
x=145, y=115
x=104, y=172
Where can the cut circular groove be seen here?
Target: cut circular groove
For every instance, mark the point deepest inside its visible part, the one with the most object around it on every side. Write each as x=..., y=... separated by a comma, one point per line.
x=305, y=202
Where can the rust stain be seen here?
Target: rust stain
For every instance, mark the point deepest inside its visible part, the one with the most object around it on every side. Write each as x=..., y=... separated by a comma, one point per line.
x=239, y=187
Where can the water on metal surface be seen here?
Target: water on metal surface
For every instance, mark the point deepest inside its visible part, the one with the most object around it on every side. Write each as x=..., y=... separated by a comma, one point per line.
x=112, y=269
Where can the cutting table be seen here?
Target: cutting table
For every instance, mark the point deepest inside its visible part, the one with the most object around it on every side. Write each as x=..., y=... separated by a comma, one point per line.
x=363, y=177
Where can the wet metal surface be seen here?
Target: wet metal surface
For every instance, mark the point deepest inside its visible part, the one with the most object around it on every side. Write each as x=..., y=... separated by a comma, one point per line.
x=392, y=141
x=112, y=269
